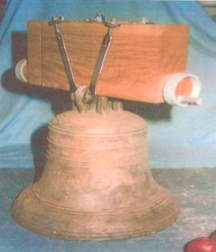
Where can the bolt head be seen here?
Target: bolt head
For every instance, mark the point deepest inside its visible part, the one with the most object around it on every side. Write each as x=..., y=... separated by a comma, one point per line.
x=62, y=18
x=144, y=20
x=113, y=20
x=99, y=18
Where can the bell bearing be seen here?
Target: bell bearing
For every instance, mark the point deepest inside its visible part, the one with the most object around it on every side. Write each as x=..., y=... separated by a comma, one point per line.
x=97, y=184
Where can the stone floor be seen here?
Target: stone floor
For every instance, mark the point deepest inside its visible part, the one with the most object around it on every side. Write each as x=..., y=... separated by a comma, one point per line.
x=195, y=190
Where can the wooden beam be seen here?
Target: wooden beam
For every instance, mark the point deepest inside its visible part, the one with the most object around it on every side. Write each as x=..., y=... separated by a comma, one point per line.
x=137, y=60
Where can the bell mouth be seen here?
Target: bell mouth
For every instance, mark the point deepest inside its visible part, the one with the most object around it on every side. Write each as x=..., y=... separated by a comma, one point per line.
x=66, y=223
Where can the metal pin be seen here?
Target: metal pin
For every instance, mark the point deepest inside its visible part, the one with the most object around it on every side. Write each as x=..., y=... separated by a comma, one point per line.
x=190, y=100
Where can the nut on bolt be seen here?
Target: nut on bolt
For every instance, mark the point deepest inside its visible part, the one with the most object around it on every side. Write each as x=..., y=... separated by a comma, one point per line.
x=62, y=18
x=113, y=21
x=99, y=18
x=87, y=20
x=145, y=20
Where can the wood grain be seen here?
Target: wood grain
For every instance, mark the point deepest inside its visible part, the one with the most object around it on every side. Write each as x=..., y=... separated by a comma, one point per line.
x=83, y=42
x=148, y=54
x=138, y=59
x=34, y=55
x=177, y=41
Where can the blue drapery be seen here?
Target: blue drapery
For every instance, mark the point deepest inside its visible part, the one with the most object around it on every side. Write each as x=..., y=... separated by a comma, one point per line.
x=178, y=137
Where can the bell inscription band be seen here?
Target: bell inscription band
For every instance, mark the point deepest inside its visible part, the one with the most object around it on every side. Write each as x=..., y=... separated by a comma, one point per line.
x=97, y=184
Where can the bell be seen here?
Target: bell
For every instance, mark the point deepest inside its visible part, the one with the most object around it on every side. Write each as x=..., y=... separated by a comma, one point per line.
x=96, y=184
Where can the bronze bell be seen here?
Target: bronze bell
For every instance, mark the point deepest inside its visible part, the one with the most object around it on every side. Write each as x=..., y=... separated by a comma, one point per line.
x=97, y=184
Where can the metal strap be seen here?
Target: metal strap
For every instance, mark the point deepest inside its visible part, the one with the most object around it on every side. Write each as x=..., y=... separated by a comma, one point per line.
x=90, y=95
x=64, y=54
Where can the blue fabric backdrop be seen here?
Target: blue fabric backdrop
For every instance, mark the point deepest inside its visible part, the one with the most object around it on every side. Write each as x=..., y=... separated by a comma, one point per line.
x=178, y=137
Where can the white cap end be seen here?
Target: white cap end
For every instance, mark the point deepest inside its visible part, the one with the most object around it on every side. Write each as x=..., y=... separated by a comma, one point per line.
x=19, y=70
x=171, y=85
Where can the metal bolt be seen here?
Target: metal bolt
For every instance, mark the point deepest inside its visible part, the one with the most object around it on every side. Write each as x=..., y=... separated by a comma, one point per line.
x=87, y=19
x=62, y=18
x=99, y=18
x=144, y=20
x=113, y=21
